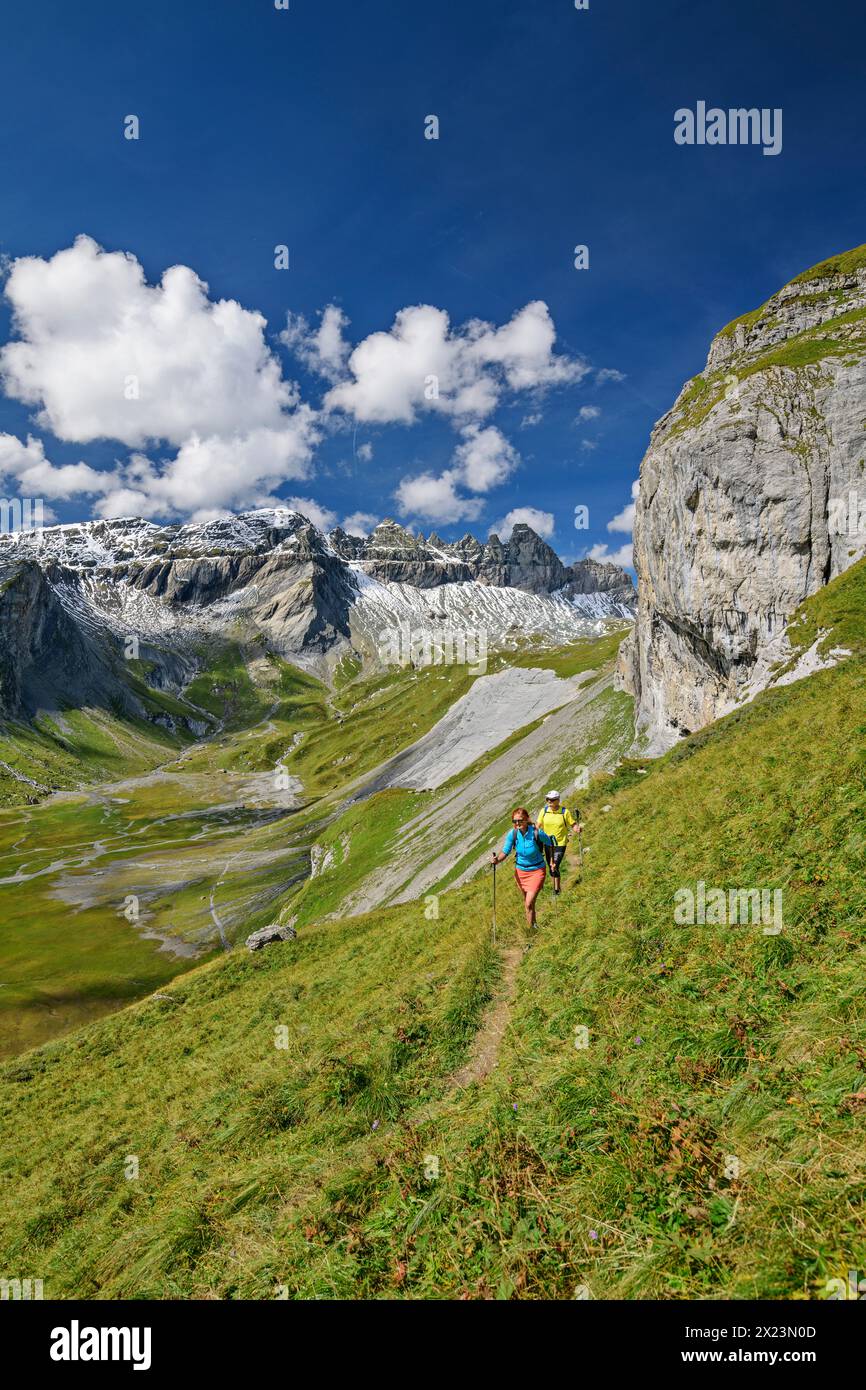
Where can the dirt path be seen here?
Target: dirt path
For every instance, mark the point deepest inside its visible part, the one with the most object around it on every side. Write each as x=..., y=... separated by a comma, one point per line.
x=485, y=1049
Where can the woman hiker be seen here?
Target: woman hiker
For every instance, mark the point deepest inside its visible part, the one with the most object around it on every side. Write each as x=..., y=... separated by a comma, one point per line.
x=525, y=838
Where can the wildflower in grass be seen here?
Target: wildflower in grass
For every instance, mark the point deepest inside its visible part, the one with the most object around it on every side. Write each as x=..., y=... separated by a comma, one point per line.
x=593, y=1235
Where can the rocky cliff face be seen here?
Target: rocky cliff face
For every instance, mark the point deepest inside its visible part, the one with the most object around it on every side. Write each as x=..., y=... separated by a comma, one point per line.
x=752, y=495
x=44, y=651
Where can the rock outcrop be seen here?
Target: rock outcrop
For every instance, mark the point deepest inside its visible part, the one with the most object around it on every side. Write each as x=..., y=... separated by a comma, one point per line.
x=266, y=936
x=752, y=495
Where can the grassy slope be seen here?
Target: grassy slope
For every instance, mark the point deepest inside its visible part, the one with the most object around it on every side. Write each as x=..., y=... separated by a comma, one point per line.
x=344, y=734
x=77, y=746
x=370, y=718
x=90, y=744
x=373, y=718
x=304, y=1165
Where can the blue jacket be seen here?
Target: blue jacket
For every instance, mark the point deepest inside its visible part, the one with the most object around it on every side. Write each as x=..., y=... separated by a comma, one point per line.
x=528, y=854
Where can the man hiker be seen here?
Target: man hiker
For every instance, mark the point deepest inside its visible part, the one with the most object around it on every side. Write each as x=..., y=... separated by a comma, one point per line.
x=558, y=822
x=529, y=872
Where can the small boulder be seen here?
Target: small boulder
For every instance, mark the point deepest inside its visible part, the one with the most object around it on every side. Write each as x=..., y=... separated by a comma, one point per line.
x=266, y=935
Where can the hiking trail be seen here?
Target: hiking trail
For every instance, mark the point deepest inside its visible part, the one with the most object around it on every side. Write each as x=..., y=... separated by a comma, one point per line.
x=485, y=1048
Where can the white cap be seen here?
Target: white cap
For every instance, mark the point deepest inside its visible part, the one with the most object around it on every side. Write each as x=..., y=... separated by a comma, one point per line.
x=552, y=796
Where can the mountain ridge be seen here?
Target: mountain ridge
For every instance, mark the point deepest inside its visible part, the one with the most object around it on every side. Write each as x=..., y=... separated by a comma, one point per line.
x=525, y=560
x=272, y=577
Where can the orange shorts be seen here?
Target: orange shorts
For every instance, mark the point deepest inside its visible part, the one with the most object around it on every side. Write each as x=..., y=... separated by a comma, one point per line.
x=529, y=880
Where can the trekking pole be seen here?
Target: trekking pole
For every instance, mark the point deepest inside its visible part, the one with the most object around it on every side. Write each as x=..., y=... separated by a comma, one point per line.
x=580, y=848
x=494, y=902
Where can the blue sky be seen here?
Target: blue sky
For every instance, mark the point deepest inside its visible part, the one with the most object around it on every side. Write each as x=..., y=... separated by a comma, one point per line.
x=305, y=128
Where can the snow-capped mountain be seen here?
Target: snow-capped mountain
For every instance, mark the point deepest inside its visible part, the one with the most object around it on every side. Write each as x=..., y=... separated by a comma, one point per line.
x=73, y=596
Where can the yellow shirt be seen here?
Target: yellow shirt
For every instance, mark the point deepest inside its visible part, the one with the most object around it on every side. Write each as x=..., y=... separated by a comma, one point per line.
x=556, y=824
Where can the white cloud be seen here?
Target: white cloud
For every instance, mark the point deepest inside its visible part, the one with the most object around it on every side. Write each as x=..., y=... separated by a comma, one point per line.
x=320, y=516
x=360, y=524
x=323, y=350
x=588, y=444
x=485, y=458
x=34, y=476
x=609, y=374
x=436, y=499
x=535, y=418
x=588, y=412
x=541, y=522
x=624, y=520
x=104, y=355
x=391, y=372
x=212, y=474
x=483, y=461
x=524, y=350
x=88, y=323
x=421, y=363
x=623, y=556
x=190, y=386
